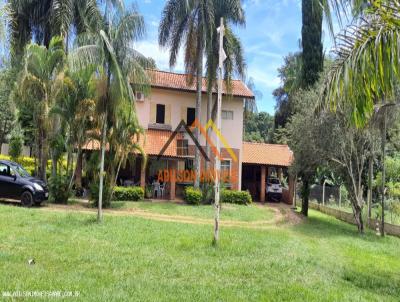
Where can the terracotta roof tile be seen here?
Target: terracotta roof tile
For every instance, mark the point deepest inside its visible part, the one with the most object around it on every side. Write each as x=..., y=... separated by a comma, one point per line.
x=170, y=80
x=152, y=143
x=267, y=154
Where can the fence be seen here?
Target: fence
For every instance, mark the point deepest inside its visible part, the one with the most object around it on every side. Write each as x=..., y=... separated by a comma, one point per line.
x=390, y=229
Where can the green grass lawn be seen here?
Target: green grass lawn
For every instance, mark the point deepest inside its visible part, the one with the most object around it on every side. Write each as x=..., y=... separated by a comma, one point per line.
x=228, y=211
x=129, y=258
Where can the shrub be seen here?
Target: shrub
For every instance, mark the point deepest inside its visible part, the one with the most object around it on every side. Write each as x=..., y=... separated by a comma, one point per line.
x=207, y=189
x=58, y=189
x=237, y=197
x=128, y=193
x=16, y=143
x=94, y=194
x=193, y=196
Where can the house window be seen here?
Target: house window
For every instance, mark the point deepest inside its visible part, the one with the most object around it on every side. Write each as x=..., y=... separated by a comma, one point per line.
x=189, y=166
x=225, y=170
x=227, y=115
x=182, y=147
x=190, y=116
x=160, y=116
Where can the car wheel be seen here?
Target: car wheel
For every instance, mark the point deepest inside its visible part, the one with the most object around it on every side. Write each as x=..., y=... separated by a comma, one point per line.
x=27, y=199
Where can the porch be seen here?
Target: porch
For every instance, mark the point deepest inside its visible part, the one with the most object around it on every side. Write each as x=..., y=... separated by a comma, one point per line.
x=260, y=163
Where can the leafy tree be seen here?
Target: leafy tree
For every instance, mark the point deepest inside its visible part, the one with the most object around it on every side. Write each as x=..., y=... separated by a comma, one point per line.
x=7, y=115
x=250, y=105
x=40, y=83
x=16, y=143
x=76, y=108
x=290, y=75
x=258, y=127
x=302, y=141
x=311, y=39
x=365, y=73
x=108, y=47
x=348, y=149
x=328, y=139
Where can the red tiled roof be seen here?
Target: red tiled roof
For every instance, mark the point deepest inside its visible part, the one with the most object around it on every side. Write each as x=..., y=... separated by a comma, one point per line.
x=152, y=143
x=170, y=80
x=267, y=154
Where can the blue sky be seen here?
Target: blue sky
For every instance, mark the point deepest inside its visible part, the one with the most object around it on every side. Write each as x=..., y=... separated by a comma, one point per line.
x=272, y=31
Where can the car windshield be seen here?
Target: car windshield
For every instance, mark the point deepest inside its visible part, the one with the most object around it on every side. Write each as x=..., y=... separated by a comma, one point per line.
x=274, y=181
x=21, y=171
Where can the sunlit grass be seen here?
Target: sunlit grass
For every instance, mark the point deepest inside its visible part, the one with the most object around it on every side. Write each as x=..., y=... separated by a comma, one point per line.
x=128, y=258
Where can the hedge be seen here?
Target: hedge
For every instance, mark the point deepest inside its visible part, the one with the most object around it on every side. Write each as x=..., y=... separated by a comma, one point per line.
x=128, y=193
x=193, y=196
x=237, y=197
x=28, y=163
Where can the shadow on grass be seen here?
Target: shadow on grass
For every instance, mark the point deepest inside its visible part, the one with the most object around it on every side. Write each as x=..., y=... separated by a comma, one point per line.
x=320, y=225
x=384, y=283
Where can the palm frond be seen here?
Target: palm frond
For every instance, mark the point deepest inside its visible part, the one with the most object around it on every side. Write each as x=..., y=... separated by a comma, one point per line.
x=367, y=67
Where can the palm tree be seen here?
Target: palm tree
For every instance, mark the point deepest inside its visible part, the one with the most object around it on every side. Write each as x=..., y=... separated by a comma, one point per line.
x=234, y=65
x=190, y=23
x=42, y=19
x=41, y=81
x=193, y=23
x=76, y=108
x=108, y=47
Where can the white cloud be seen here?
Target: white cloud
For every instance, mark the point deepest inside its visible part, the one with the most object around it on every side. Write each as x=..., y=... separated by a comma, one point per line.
x=161, y=56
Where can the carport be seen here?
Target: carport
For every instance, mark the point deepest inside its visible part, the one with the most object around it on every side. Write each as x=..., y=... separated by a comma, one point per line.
x=261, y=161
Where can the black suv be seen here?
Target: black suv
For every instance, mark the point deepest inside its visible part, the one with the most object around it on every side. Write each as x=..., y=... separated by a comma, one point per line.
x=16, y=183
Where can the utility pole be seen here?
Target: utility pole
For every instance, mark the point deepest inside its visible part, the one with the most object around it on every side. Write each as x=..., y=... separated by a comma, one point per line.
x=222, y=57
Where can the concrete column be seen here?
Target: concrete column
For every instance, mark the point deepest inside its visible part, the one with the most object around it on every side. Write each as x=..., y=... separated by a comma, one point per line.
x=292, y=184
x=262, y=185
x=172, y=174
x=143, y=175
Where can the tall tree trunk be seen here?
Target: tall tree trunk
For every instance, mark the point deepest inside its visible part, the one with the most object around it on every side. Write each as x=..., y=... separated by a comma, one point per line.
x=305, y=195
x=42, y=154
x=358, y=218
x=78, y=169
x=199, y=87
x=370, y=192
x=101, y=179
x=383, y=173
x=209, y=116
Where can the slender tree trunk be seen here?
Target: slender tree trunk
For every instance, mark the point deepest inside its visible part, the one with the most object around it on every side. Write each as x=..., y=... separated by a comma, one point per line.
x=42, y=154
x=383, y=174
x=209, y=113
x=370, y=192
x=78, y=169
x=53, y=164
x=359, y=219
x=305, y=197
x=197, y=160
x=101, y=180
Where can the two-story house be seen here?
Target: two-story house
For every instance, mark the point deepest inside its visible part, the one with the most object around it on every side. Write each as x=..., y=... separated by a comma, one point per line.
x=172, y=100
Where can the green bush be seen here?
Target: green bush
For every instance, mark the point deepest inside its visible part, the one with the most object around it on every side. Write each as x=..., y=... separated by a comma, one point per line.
x=128, y=193
x=58, y=189
x=94, y=194
x=193, y=196
x=237, y=197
